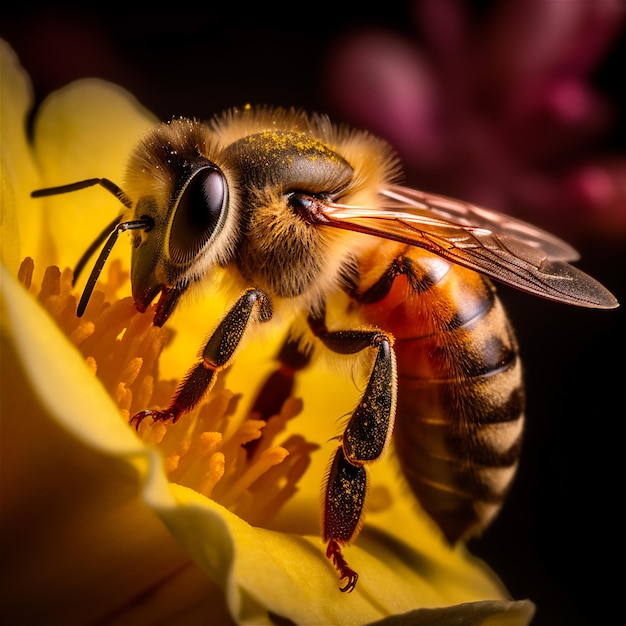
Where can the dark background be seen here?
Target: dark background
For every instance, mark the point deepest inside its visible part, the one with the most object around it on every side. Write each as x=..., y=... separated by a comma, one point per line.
x=559, y=539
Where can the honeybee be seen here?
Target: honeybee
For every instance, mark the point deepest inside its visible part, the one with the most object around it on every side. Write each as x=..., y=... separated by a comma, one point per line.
x=299, y=214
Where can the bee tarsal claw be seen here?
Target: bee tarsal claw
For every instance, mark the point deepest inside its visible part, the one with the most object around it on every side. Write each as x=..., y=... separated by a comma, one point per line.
x=156, y=416
x=352, y=577
x=333, y=552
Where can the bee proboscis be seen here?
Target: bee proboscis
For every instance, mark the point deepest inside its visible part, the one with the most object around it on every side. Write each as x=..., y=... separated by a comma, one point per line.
x=300, y=212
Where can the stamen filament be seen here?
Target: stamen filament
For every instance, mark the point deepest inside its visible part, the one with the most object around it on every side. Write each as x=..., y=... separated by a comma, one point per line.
x=207, y=449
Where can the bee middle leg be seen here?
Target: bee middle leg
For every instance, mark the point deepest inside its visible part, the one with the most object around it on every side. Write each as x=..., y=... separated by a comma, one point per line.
x=363, y=441
x=217, y=354
x=278, y=386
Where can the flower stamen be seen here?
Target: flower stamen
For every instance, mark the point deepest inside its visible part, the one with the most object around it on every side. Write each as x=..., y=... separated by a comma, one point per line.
x=206, y=450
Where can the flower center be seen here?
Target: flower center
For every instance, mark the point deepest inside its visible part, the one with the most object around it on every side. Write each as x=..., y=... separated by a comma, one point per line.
x=209, y=449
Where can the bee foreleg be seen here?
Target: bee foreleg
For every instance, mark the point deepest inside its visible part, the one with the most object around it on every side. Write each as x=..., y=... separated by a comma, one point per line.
x=364, y=441
x=217, y=354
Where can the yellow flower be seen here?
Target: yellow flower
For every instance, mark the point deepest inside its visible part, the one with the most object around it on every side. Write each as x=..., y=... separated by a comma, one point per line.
x=177, y=525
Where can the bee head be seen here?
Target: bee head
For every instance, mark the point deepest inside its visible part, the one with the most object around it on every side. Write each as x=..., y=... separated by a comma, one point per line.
x=185, y=197
x=176, y=250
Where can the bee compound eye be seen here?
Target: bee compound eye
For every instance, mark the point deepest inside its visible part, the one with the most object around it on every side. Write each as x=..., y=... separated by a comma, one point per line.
x=299, y=201
x=199, y=215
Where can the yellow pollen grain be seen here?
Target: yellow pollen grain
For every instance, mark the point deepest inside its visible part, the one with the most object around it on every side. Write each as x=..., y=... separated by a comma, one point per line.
x=123, y=397
x=209, y=442
x=171, y=463
x=215, y=470
x=91, y=364
x=81, y=333
x=131, y=371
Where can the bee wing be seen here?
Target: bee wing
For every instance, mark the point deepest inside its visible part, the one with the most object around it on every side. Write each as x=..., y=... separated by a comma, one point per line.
x=469, y=215
x=503, y=248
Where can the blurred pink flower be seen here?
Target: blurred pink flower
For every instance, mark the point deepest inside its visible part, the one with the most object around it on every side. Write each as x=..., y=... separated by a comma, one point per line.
x=500, y=111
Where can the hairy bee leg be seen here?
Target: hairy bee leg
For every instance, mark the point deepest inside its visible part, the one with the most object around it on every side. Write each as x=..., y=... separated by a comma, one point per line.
x=344, y=498
x=216, y=356
x=363, y=441
x=279, y=385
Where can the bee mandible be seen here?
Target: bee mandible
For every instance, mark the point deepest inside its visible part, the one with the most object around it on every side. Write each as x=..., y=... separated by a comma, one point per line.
x=301, y=214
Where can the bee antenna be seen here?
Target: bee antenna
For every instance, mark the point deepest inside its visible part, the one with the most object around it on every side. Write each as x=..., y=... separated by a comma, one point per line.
x=145, y=222
x=107, y=184
x=112, y=230
x=97, y=242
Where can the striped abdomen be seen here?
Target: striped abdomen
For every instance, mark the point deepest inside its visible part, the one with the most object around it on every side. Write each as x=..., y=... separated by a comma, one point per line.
x=460, y=398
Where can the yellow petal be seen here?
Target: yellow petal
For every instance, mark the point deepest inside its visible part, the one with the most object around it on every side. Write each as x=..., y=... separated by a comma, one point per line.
x=486, y=613
x=85, y=130
x=78, y=543
x=288, y=576
x=19, y=175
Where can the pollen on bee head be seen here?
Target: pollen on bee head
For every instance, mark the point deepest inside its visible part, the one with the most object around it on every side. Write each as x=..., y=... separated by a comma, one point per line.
x=209, y=449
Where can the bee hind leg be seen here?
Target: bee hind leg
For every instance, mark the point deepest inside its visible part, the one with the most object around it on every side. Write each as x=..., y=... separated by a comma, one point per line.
x=217, y=354
x=363, y=441
x=344, y=499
